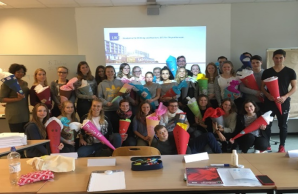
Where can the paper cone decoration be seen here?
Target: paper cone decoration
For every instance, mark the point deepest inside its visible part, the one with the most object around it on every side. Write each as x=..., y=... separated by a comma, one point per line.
x=172, y=64
x=203, y=86
x=248, y=79
x=245, y=61
x=115, y=99
x=161, y=110
x=71, y=82
x=273, y=87
x=183, y=126
x=11, y=81
x=125, y=80
x=54, y=127
x=76, y=126
x=89, y=127
x=181, y=137
x=218, y=120
x=66, y=93
x=264, y=119
x=43, y=93
x=85, y=88
x=175, y=90
x=123, y=126
x=180, y=117
x=231, y=90
x=64, y=121
x=125, y=87
x=151, y=122
x=194, y=107
x=213, y=113
x=144, y=93
x=154, y=79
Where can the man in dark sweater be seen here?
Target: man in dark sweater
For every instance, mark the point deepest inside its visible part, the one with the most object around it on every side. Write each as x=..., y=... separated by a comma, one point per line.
x=167, y=146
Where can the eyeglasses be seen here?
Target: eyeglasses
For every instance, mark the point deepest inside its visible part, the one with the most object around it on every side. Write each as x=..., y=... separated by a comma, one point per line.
x=174, y=106
x=181, y=61
x=138, y=71
x=61, y=72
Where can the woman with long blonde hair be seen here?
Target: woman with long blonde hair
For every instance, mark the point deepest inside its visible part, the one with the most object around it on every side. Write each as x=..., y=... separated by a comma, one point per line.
x=212, y=74
x=90, y=144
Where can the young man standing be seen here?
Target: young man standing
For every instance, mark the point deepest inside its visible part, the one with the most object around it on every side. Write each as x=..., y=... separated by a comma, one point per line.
x=286, y=76
x=181, y=62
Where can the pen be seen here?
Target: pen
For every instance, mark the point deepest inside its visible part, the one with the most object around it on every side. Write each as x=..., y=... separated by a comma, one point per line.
x=219, y=165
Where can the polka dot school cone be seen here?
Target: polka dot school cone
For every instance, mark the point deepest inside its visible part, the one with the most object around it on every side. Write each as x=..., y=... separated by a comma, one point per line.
x=123, y=127
x=273, y=87
x=181, y=137
x=36, y=176
x=54, y=127
x=264, y=119
x=89, y=127
x=43, y=93
x=151, y=121
x=172, y=64
x=248, y=79
x=11, y=81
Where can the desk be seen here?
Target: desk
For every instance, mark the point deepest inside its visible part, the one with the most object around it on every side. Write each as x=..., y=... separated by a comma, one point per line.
x=170, y=178
x=280, y=168
x=30, y=143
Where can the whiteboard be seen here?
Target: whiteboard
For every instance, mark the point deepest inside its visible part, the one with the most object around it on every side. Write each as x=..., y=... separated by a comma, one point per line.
x=49, y=63
x=291, y=61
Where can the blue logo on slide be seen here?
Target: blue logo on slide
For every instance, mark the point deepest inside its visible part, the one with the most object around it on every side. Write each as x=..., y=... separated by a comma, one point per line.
x=114, y=36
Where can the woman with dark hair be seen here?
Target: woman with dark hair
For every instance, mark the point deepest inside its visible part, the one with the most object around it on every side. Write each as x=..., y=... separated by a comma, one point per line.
x=167, y=82
x=35, y=130
x=90, y=144
x=16, y=110
x=212, y=74
x=124, y=72
x=139, y=124
x=258, y=138
x=225, y=132
x=85, y=100
x=99, y=74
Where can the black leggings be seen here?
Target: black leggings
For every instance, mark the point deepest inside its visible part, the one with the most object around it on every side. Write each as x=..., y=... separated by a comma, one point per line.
x=248, y=140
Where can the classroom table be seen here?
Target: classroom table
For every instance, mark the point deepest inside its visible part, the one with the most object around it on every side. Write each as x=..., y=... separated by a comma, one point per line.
x=280, y=168
x=168, y=179
x=30, y=143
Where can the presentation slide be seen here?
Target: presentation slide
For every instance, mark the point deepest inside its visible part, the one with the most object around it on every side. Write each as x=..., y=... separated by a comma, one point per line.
x=149, y=47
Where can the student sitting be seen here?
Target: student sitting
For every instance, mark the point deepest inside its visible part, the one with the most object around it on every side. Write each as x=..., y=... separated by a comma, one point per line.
x=167, y=146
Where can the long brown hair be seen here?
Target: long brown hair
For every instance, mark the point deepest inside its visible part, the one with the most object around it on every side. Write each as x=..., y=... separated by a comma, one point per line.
x=101, y=114
x=73, y=115
x=89, y=76
x=35, y=79
x=120, y=73
x=41, y=128
x=233, y=73
x=233, y=106
x=140, y=115
x=211, y=80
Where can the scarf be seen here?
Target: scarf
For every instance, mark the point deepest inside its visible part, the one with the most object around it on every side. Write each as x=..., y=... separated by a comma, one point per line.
x=124, y=115
x=171, y=115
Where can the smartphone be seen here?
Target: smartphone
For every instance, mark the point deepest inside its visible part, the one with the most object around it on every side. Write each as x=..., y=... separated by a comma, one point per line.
x=265, y=180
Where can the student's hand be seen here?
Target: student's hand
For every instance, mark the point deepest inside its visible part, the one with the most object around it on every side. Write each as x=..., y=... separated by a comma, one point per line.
x=263, y=127
x=61, y=146
x=109, y=104
x=232, y=141
x=124, y=137
x=83, y=142
x=20, y=96
x=281, y=100
x=146, y=138
x=43, y=101
x=94, y=97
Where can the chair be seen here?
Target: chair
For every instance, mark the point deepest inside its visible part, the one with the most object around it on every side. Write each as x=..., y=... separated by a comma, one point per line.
x=136, y=151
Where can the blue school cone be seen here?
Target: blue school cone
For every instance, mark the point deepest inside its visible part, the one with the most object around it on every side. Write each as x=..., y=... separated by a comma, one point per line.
x=172, y=64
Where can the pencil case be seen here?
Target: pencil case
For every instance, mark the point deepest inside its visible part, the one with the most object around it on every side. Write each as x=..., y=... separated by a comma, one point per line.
x=146, y=163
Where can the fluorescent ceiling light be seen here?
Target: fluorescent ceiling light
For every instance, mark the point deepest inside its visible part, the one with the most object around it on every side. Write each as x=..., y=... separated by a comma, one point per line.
x=1, y=3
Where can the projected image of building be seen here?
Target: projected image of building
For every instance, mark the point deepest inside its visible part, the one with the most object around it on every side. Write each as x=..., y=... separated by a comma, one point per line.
x=115, y=53
x=138, y=56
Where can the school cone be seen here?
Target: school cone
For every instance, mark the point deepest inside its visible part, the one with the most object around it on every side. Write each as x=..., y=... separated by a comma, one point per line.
x=11, y=82
x=123, y=127
x=172, y=64
x=151, y=122
x=54, y=127
x=44, y=93
x=194, y=107
x=175, y=90
x=181, y=137
x=89, y=127
x=202, y=83
x=264, y=119
x=273, y=87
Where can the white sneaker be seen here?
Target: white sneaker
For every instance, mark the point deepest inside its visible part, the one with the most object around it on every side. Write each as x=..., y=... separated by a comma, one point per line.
x=265, y=151
x=257, y=151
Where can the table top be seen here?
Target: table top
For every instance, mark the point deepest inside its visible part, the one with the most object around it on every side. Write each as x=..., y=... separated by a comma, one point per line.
x=30, y=143
x=170, y=178
x=280, y=168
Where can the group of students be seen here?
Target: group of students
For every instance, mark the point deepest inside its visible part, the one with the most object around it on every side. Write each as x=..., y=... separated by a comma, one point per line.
x=104, y=111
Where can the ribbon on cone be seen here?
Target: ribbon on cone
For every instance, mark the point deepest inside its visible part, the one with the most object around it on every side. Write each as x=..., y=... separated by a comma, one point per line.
x=273, y=87
x=151, y=121
x=194, y=107
x=161, y=110
x=213, y=113
x=90, y=128
x=144, y=93
x=172, y=64
x=264, y=119
x=175, y=90
x=181, y=137
x=11, y=81
x=54, y=127
x=123, y=127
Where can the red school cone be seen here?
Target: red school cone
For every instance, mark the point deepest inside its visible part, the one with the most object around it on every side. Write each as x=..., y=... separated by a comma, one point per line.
x=123, y=127
x=181, y=139
x=273, y=87
x=89, y=127
x=53, y=127
x=170, y=93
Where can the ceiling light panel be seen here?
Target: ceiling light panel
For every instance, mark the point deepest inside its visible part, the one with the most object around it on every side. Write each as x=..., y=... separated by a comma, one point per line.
x=128, y=2
x=24, y=3
x=59, y=3
x=88, y=3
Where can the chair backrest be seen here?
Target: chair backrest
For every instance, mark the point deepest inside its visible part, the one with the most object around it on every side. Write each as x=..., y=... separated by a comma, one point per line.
x=136, y=151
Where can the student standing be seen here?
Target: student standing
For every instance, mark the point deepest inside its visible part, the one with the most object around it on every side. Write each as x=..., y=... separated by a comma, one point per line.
x=16, y=110
x=99, y=74
x=286, y=76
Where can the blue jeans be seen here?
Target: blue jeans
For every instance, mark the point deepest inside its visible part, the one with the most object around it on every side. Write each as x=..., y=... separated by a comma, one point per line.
x=87, y=150
x=198, y=144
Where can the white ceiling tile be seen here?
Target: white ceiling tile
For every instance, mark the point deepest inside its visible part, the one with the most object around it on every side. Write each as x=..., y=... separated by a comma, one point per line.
x=128, y=2
x=23, y=3
x=205, y=1
x=59, y=3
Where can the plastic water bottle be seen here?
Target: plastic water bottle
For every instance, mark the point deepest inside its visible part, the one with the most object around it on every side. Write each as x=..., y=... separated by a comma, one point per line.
x=234, y=158
x=14, y=166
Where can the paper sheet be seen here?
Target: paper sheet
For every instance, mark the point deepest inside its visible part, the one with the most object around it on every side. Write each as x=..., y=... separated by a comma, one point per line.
x=196, y=157
x=104, y=182
x=292, y=153
x=228, y=180
x=102, y=162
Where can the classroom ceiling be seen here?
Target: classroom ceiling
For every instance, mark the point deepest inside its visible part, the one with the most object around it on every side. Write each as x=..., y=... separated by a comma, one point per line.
x=115, y=3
